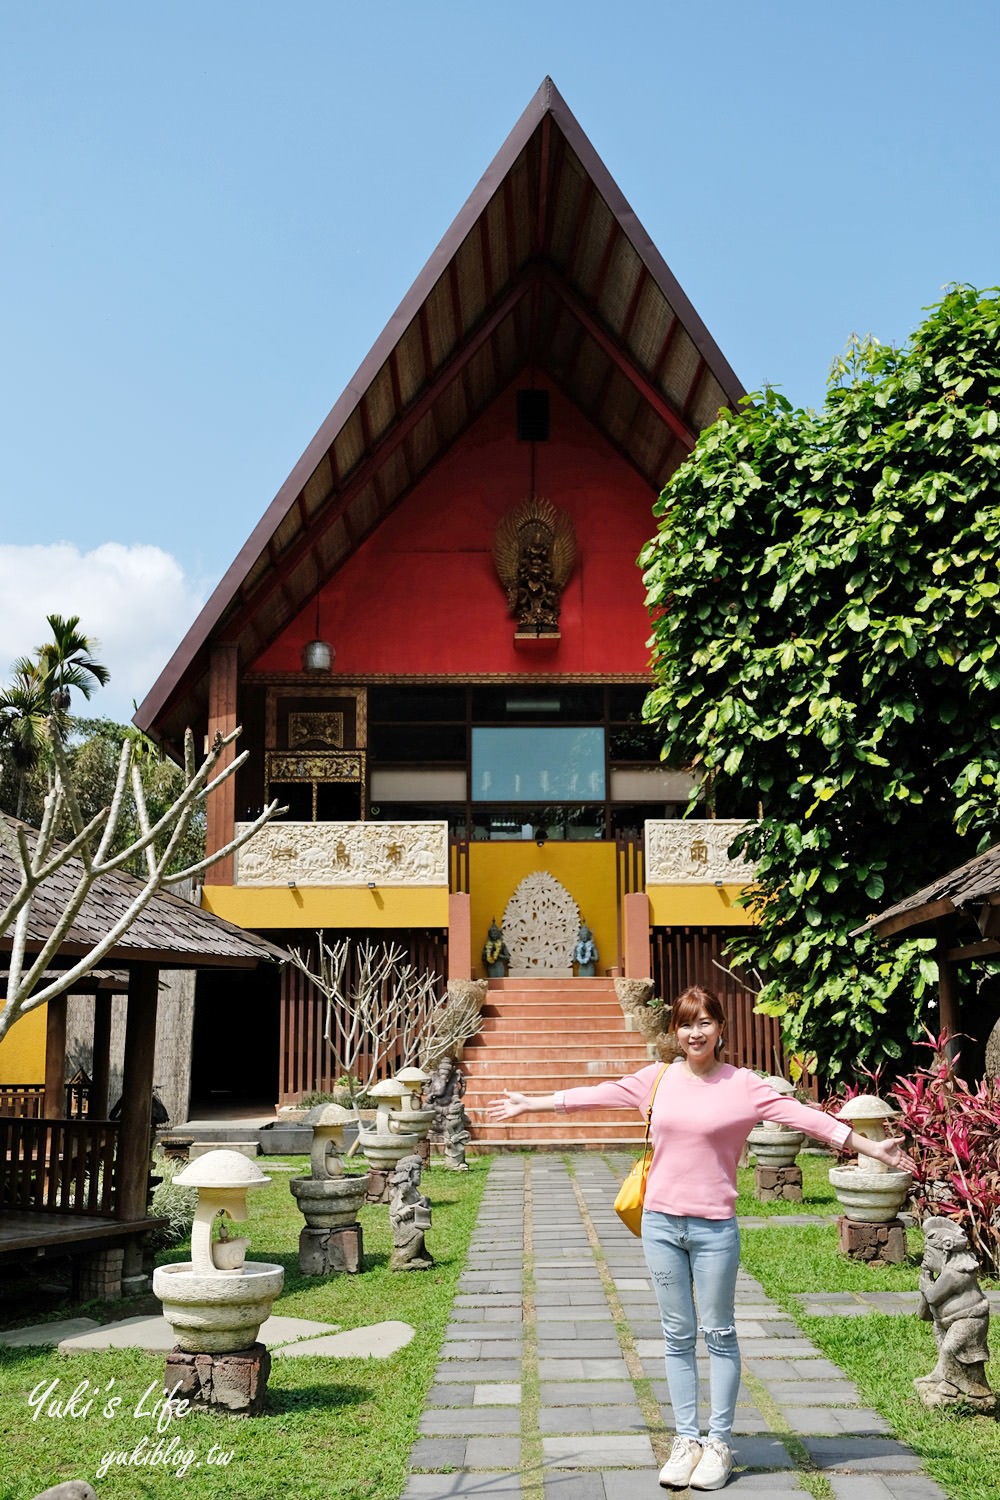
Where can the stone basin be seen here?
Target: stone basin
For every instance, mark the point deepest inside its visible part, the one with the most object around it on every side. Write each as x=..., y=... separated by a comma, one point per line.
x=384, y=1151
x=331, y=1202
x=775, y=1145
x=217, y=1313
x=867, y=1196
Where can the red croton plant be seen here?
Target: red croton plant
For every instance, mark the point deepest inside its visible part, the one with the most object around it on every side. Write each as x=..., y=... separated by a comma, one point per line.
x=952, y=1132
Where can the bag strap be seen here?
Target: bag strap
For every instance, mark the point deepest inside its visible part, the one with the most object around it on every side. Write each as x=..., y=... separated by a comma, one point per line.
x=649, y=1107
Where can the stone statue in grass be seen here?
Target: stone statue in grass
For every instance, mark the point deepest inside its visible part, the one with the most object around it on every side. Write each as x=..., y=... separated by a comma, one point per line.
x=951, y=1299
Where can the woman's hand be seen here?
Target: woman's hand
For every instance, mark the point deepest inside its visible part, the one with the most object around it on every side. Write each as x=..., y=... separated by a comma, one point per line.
x=509, y=1107
x=889, y=1152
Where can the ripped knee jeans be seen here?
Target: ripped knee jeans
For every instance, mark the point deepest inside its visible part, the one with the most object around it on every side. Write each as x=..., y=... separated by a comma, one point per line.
x=693, y=1263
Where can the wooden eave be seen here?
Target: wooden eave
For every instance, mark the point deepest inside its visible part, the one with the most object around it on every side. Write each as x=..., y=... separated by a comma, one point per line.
x=962, y=907
x=545, y=269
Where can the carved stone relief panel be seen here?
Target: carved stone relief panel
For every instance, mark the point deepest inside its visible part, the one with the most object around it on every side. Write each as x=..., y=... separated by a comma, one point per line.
x=683, y=852
x=345, y=854
x=540, y=926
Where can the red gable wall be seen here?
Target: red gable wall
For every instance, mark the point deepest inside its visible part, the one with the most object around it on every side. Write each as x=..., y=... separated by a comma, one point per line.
x=421, y=595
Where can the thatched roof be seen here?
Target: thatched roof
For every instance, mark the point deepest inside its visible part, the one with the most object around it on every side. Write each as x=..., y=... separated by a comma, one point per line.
x=169, y=931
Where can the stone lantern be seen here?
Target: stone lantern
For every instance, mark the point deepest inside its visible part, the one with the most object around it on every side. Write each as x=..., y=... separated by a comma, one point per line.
x=217, y=1301
x=870, y=1193
x=776, y=1146
x=329, y=1199
x=410, y=1117
x=383, y=1143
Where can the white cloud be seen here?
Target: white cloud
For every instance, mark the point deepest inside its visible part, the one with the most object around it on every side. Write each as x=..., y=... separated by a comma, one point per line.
x=135, y=600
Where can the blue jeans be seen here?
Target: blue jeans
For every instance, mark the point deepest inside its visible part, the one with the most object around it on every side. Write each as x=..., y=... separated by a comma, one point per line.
x=696, y=1258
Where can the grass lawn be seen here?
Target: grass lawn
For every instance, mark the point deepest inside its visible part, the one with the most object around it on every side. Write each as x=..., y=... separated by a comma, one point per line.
x=333, y=1428
x=882, y=1354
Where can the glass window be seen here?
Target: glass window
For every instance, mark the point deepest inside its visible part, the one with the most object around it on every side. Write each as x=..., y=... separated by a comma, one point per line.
x=532, y=765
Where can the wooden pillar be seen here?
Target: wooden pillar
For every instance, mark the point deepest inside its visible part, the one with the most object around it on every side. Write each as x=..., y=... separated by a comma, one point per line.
x=54, y=1107
x=220, y=809
x=949, y=1010
x=101, y=1065
x=137, y=1092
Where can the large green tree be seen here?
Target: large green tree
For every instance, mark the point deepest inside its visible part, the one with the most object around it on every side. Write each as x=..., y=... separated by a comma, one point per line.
x=825, y=598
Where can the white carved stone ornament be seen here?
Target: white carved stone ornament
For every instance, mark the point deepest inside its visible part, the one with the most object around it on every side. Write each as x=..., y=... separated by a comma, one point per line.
x=345, y=854
x=681, y=851
x=540, y=926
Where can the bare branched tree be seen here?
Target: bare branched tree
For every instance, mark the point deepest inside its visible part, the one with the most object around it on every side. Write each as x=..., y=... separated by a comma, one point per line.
x=383, y=1013
x=454, y=1019
x=37, y=856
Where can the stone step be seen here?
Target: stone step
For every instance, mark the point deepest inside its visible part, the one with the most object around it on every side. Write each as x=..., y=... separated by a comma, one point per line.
x=563, y=985
x=543, y=1010
x=540, y=1077
x=515, y=1034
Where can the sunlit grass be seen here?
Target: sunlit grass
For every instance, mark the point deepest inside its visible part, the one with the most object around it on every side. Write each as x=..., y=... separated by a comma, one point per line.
x=332, y=1427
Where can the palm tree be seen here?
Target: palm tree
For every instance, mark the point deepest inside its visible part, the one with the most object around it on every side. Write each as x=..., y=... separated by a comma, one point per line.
x=67, y=662
x=24, y=710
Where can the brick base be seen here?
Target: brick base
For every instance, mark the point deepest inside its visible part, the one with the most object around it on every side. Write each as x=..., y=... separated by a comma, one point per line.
x=878, y=1244
x=770, y=1183
x=233, y=1382
x=99, y=1275
x=378, y=1186
x=328, y=1252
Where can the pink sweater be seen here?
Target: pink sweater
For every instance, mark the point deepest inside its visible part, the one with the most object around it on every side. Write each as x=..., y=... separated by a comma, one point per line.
x=698, y=1130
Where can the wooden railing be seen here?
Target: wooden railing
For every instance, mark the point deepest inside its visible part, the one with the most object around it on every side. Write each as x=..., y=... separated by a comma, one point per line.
x=23, y=1100
x=58, y=1166
x=683, y=956
x=307, y=1062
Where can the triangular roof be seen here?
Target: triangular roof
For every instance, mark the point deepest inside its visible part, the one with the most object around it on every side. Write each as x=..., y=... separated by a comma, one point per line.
x=546, y=267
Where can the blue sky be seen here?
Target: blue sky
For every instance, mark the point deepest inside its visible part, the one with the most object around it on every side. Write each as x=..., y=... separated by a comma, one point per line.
x=211, y=209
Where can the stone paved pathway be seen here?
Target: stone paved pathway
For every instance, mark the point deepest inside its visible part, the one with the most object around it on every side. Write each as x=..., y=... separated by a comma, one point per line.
x=550, y=1384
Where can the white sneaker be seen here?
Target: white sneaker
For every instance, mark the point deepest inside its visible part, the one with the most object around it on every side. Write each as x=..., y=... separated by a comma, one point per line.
x=685, y=1457
x=715, y=1467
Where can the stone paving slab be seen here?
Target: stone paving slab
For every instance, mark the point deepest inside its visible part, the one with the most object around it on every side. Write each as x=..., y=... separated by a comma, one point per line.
x=446, y=1486
x=45, y=1335
x=596, y=1392
x=873, y=1487
x=567, y=1419
x=458, y=1421
x=762, y=1452
x=820, y=1421
x=862, y=1455
x=508, y=1394
x=488, y=1452
x=813, y=1392
x=582, y=1369
x=493, y=1371
x=505, y=1348
x=609, y=1451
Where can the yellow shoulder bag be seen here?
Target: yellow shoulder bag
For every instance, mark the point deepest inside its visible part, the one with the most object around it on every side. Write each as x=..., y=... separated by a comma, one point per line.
x=628, y=1204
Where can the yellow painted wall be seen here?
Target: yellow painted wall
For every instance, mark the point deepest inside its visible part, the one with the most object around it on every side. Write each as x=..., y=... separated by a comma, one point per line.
x=22, y=1051
x=696, y=906
x=586, y=870
x=261, y=907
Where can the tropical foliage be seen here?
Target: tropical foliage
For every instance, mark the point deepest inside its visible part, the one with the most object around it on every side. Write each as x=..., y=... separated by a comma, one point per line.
x=826, y=631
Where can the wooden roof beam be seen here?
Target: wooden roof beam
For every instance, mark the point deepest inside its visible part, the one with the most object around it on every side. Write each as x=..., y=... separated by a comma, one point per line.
x=636, y=377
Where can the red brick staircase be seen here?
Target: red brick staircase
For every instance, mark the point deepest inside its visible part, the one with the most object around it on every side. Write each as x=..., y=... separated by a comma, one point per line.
x=546, y=1034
